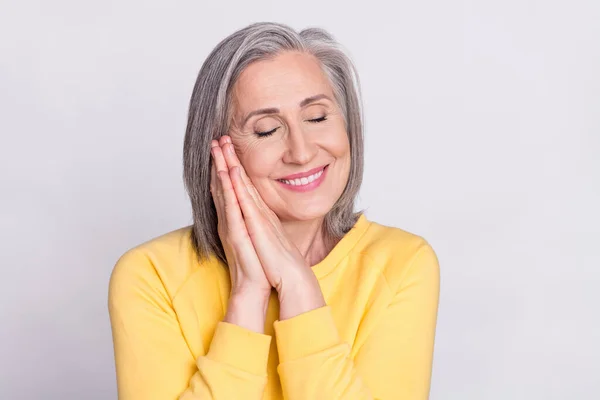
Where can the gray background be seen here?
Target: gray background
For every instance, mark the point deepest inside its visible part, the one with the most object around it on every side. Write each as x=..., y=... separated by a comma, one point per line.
x=482, y=135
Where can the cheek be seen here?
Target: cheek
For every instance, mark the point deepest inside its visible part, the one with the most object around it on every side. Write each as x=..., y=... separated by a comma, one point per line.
x=258, y=161
x=338, y=144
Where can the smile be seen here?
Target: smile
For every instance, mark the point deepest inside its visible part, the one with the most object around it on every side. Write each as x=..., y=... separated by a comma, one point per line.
x=305, y=183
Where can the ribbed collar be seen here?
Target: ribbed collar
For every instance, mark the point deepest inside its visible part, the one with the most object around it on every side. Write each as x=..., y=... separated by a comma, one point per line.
x=342, y=248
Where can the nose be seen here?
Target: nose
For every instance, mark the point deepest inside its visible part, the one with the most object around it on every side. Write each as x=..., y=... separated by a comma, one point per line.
x=300, y=149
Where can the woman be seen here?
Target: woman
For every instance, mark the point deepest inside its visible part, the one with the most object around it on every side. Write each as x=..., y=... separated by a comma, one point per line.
x=278, y=290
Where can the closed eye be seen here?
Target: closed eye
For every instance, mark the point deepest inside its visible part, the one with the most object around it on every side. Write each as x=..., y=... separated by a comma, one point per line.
x=264, y=134
x=318, y=119
x=269, y=133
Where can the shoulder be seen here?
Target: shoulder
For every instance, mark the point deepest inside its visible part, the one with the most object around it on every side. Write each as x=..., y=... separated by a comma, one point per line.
x=400, y=255
x=161, y=264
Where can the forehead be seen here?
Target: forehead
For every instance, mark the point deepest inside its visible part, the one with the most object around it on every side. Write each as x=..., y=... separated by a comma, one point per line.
x=280, y=82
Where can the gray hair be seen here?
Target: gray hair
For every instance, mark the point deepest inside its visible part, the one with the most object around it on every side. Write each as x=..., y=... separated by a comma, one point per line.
x=210, y=114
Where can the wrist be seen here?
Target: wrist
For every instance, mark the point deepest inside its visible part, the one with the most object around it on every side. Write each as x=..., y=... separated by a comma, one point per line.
x=299, y=296
x=248, y=309
x=246, y=293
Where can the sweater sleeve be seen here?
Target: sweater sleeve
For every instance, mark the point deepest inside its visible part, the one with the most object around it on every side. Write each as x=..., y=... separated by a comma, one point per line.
x=153, y=360
x=394, y=362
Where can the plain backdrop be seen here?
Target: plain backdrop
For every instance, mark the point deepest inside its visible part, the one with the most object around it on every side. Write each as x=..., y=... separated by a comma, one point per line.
x=482, y=135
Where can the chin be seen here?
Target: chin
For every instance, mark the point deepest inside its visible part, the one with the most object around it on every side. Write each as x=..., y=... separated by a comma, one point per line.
x=307, y=213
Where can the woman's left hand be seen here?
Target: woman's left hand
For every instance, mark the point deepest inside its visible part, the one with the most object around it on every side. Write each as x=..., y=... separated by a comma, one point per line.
x=298, y=289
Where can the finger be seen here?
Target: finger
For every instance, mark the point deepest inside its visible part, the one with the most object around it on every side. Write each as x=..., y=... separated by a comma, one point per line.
x=248, y=206
x=219, y=160
x=260, y=235
x=233, y=213
x=216, y=192
x=213, y=178
x=228, y=151
x=242, y=258
x=230, y=156
x=232, y=161
x=224, y=139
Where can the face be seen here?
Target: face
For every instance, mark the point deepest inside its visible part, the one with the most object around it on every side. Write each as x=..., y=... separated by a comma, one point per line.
x=290, y=136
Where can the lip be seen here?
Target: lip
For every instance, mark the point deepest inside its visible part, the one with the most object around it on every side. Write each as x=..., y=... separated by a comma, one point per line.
x=304, y=174
x=310, y=186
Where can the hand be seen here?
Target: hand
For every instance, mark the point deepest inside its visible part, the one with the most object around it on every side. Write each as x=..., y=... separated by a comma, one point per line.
x=250, y=289
x=283, y=264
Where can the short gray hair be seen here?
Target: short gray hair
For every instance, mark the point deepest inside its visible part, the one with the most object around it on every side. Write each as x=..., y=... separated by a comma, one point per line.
x=210, y=115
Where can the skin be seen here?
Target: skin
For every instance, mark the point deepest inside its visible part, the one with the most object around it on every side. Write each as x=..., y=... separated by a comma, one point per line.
x=272, y=235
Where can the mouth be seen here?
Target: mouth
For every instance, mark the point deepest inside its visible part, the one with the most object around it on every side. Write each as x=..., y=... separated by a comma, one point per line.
x=304, y=182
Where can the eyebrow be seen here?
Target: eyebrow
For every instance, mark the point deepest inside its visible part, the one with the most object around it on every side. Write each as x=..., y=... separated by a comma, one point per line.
x=274, y=110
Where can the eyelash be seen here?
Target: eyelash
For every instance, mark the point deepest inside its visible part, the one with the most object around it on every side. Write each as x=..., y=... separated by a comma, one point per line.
x=269, y=133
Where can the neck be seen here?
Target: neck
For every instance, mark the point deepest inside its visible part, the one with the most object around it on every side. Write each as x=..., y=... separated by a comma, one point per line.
x=308, y=238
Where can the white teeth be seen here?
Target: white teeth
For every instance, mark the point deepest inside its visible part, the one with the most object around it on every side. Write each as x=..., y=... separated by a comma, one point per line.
x=303, y=181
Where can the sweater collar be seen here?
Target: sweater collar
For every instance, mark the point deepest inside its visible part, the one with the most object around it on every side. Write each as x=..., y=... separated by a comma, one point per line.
x=342, y=248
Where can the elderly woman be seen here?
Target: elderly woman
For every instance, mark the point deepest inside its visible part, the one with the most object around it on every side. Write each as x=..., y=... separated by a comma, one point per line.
x=279, y=290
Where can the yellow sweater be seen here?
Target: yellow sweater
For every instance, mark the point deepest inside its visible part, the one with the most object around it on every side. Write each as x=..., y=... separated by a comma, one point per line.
x=373, y=340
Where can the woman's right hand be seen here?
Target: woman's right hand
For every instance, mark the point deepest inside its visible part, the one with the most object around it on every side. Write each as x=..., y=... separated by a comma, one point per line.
x=250, y=288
